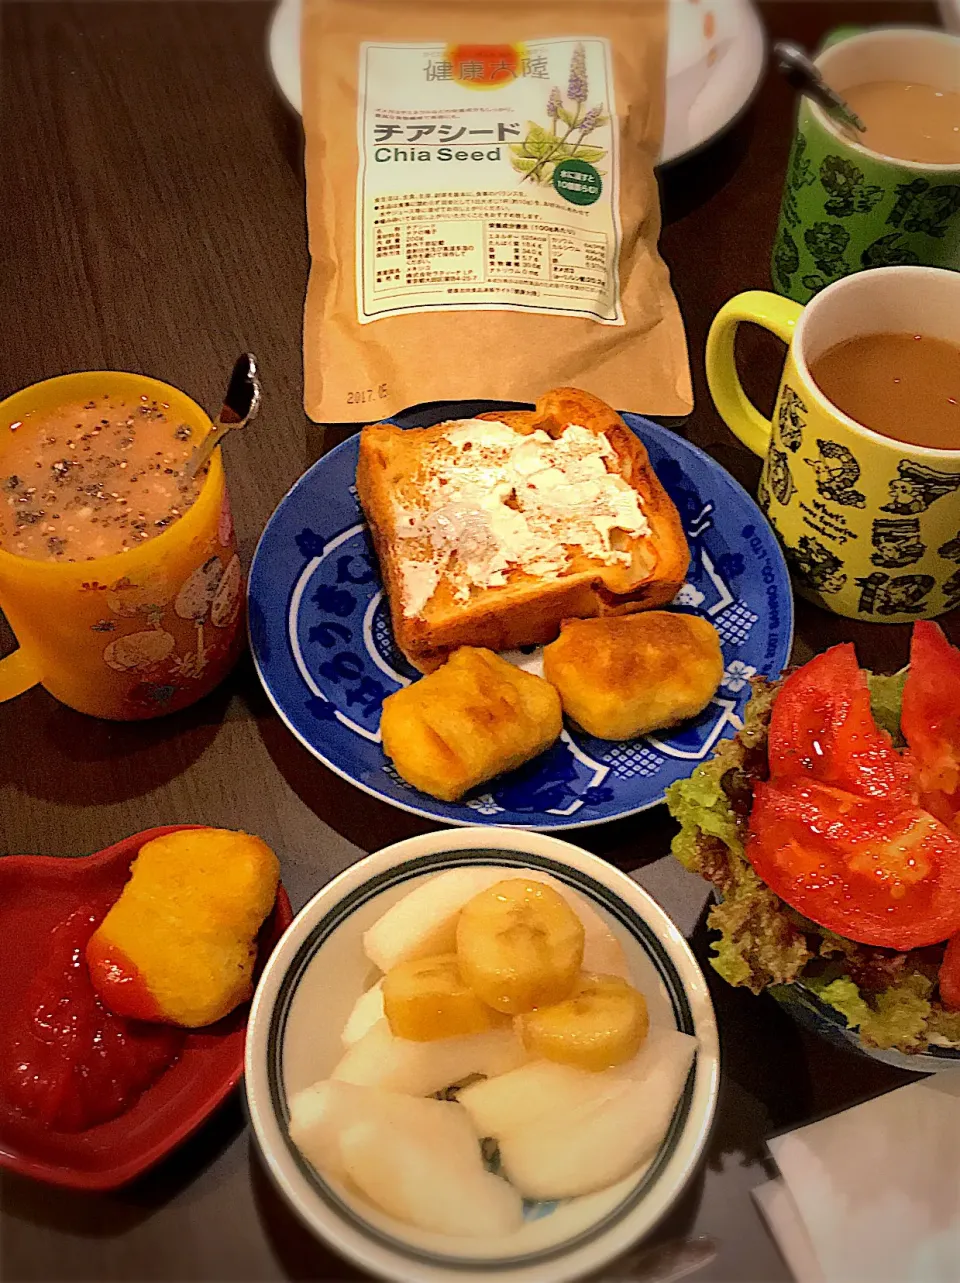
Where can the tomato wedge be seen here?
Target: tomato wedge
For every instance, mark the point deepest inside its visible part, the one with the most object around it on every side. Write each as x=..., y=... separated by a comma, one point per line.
x=930, y=720
x=877, y=871
x=949, y=977
x=822, y=729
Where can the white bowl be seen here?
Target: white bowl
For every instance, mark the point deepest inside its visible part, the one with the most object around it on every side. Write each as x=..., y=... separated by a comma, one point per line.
x=317, y=972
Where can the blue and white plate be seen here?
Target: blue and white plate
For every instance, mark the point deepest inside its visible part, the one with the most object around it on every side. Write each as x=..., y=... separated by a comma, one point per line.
x=322, y=642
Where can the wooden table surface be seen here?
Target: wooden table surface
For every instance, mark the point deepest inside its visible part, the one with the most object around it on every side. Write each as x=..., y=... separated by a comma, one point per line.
x=152, y=201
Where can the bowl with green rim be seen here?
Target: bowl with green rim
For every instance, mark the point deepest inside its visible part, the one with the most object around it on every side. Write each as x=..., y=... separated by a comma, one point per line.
x=309, y=988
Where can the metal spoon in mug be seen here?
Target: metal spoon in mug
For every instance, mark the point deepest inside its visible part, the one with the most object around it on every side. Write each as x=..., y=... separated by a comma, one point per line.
x=240, y=405
x=801, y=72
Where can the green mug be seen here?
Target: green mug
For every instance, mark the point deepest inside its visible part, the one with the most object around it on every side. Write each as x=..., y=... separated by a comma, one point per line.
x=846, y=208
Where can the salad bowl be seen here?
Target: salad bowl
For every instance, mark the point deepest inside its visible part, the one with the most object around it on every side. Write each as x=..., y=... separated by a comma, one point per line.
x=829, y=829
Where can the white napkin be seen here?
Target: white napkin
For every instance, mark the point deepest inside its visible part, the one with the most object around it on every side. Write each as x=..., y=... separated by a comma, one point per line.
x=780, y=1212
x=872, y=1195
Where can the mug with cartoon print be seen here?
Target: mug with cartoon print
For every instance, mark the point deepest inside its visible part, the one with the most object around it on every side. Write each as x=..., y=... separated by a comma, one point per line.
x=847, y=205
x=136, y=633
x=870, y=525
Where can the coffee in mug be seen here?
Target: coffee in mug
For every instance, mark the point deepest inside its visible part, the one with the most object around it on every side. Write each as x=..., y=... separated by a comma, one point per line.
x=863, y=491
x=911, y=121
x=905, y=386
x=891, y=196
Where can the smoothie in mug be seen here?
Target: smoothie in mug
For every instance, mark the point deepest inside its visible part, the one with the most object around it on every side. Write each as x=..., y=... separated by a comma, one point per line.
x=118, y=573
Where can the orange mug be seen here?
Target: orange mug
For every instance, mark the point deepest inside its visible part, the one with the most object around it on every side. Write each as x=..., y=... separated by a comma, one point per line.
x=139, y=633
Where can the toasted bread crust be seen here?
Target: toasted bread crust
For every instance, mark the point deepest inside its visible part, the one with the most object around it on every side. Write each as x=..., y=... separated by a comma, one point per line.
x=527, y=611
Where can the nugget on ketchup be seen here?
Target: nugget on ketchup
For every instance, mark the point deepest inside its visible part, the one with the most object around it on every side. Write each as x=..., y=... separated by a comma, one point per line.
x=179, y=946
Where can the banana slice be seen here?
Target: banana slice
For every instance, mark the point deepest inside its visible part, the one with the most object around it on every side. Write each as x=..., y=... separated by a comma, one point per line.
x=601, y=1025
x=519, y=945
x=429, y=999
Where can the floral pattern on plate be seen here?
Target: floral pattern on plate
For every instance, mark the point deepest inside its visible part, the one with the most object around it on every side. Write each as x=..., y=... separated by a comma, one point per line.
x=321, y=637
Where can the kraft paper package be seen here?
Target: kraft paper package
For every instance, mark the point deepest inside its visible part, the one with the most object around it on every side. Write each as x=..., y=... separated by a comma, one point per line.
x=482, y=208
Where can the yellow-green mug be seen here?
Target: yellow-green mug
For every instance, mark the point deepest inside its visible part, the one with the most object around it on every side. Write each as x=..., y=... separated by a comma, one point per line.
x=870, y=526
x=138, y=633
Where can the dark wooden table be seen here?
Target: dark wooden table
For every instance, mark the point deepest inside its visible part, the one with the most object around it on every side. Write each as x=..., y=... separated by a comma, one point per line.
x=153, y=219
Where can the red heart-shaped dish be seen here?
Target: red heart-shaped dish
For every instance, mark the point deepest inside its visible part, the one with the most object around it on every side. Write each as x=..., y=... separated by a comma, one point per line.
x=36, y=894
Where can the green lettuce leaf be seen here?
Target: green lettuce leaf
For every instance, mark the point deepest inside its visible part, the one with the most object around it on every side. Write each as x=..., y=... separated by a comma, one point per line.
x=701, y=807
x=756, y=716
x=895, y=1017
x=886, y=698
x=758, y=943
x=944, y=1024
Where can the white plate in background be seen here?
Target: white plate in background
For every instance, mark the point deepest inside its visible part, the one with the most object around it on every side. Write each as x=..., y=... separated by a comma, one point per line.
x=715, y=60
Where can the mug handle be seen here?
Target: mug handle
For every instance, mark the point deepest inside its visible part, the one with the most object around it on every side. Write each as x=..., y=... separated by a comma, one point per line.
x=780, y=315
x=18, y=672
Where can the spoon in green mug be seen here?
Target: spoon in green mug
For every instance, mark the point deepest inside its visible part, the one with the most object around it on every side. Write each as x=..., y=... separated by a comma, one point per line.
x=800, y=71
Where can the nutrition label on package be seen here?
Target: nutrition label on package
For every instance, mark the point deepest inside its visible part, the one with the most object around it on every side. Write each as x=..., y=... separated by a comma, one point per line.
x=488, y=178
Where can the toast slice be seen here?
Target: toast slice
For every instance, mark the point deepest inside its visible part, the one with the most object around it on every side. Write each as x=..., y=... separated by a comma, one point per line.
x=491, y=531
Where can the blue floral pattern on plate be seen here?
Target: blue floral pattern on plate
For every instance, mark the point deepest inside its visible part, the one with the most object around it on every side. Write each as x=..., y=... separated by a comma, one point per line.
x=323, y=646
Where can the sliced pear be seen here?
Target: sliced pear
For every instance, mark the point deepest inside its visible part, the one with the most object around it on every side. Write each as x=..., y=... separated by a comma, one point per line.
x=424, y=922
x=594, y=1146
x=665, y=1053
x=314, y=1126
x=379, y=1059
x=500, y=1106
x=519, y=945
x=417, y=1160
x=427, y=999
x=367, y=1010
x=429, y=1173
x=601, y=1025
x=591, y=1146
x=319, y=1115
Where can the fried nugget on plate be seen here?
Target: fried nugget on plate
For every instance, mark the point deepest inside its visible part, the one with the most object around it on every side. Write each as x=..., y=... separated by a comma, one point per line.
x=622, y=677
x=472, y=719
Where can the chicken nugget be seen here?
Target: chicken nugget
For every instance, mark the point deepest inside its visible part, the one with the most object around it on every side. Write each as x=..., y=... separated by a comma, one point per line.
x=179, y=946
x=468, y=721
x=624, y=676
